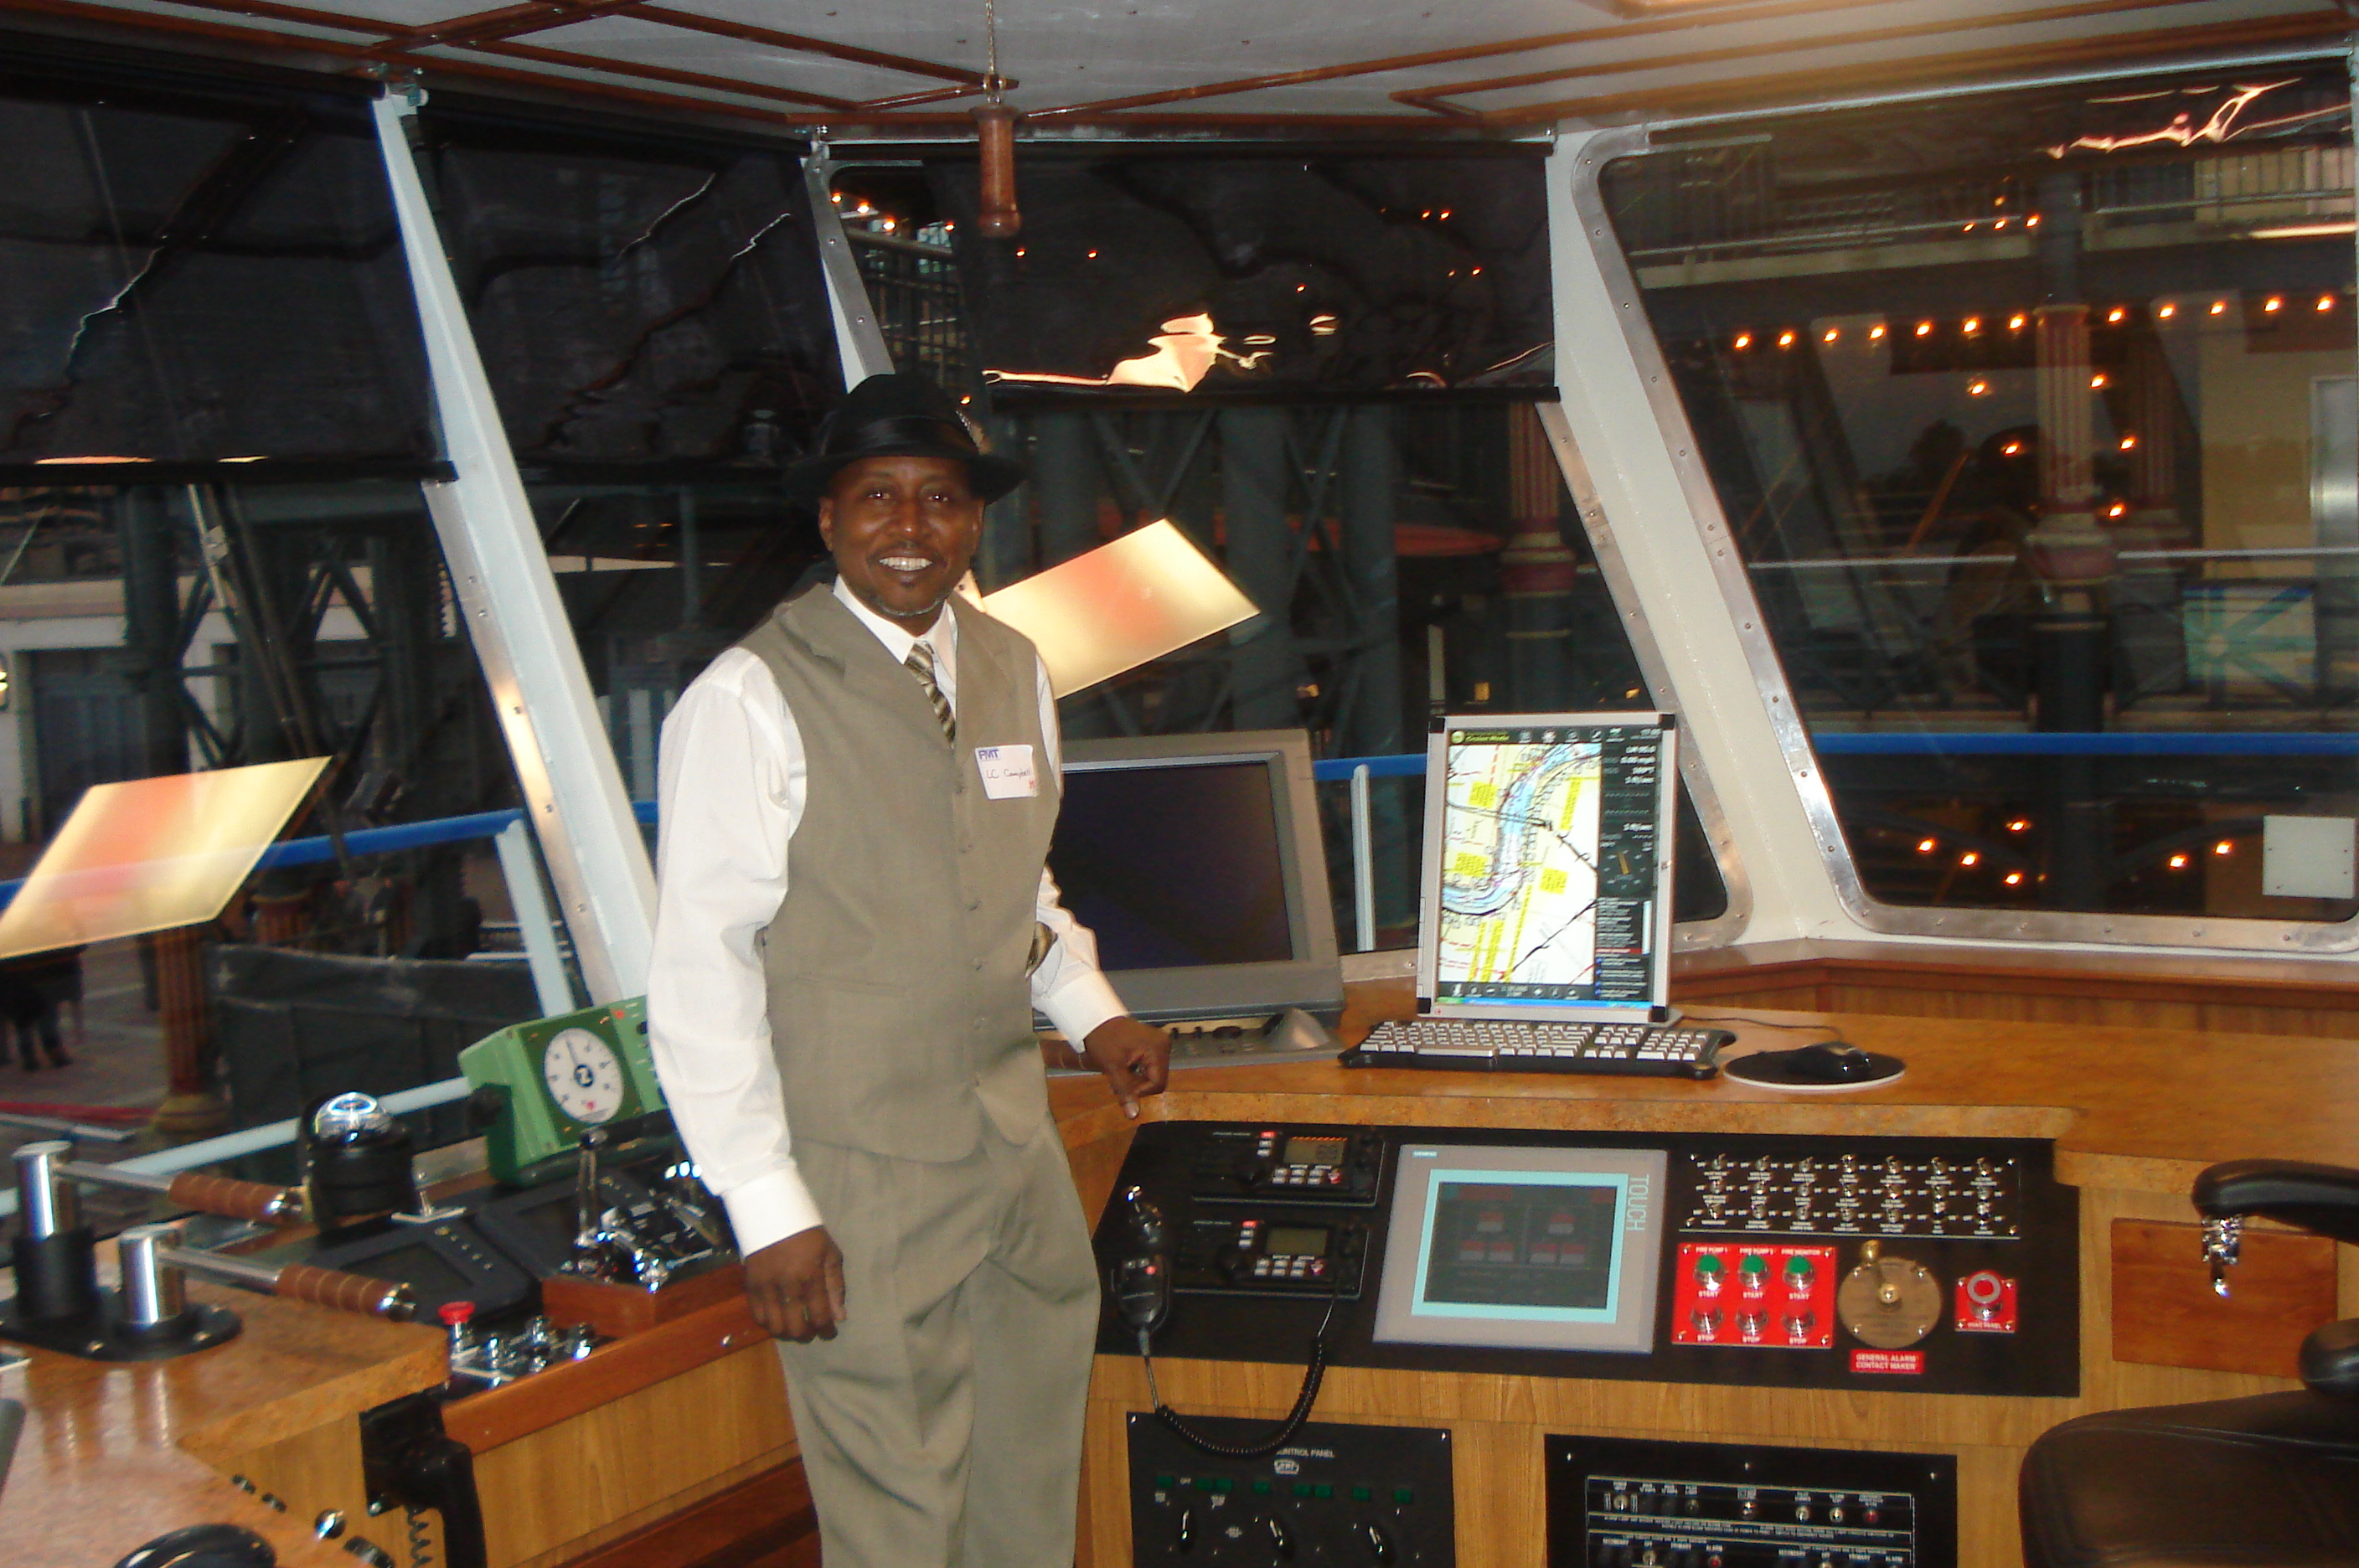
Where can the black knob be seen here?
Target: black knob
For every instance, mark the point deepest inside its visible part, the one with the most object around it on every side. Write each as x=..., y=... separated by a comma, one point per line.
x=1281, y=1542
x=1183, y=1539
x=1146, y=1218
x=1380, y=1545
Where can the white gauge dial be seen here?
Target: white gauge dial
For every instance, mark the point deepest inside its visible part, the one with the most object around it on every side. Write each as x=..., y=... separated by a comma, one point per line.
x=583, y=1074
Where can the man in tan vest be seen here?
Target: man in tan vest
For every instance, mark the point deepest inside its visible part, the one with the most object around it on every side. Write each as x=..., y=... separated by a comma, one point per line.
x=854, y=923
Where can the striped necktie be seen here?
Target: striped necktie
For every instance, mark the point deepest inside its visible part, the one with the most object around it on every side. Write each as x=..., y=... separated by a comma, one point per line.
x=920, y=663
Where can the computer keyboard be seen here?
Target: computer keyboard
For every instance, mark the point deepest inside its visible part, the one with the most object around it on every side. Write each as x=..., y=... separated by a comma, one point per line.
x=1494, y=1045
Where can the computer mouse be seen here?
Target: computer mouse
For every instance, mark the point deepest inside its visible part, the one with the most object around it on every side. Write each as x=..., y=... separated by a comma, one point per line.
x=204, y=1546
x=1832, y=1062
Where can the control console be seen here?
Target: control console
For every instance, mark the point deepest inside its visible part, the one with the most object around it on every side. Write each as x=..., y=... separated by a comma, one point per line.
x=1266, y=1255
x=1242, y=1164
x=1336, y=1495
x=1631, y=1503
x=1925, y=1266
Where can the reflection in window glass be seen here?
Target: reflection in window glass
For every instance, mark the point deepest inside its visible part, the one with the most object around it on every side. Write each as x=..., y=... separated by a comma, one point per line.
x=156, y=630
x=639, y=300
x=653, y=320
x=199, y=270
x=2034, y=418
x=1407, y=551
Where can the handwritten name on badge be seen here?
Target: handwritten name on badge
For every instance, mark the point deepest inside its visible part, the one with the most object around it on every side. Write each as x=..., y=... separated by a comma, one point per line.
x=1006, y=772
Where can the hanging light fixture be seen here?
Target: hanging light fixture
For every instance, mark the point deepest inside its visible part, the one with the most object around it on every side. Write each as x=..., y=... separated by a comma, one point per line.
x=994, y=125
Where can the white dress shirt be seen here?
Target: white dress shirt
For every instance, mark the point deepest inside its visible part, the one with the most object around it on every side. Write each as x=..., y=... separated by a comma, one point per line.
x=730, y=788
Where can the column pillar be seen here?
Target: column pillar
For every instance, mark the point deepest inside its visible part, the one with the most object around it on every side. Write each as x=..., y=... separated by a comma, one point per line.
x=1266, y=665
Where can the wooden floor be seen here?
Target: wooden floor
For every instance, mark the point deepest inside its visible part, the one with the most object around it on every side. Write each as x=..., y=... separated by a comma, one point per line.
x=765, y=1522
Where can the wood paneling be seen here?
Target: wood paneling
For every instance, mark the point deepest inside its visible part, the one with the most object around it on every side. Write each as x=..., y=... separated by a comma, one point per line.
x=755, y=1524
x=499, y=1416
x=617, y=1310
x=2318, y=998
x=2166, y=1312
x=631, y=1459
x=115, y=1453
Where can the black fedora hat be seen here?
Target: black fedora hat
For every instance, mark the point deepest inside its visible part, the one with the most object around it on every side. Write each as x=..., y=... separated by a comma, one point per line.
x=896, y=415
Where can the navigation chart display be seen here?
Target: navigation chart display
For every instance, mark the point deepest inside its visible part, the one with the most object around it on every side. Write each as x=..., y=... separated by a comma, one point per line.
x=1548, y=874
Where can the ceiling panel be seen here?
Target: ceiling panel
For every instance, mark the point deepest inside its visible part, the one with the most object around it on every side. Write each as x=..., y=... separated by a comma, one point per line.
x=1155, y=62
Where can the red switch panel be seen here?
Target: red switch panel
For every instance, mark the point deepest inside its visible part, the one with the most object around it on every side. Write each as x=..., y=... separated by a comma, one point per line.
x=1986, y=1303
x=1755, y=1293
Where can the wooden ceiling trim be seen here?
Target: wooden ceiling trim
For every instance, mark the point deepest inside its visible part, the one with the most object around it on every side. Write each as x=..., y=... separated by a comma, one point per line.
x=745, y=33
x=366, y=27
x=1682, y=22
x=1431, y=97
x=514, y=21
x=428, y=65
x=1795, y=88
x=511, y=48
x=191, y=27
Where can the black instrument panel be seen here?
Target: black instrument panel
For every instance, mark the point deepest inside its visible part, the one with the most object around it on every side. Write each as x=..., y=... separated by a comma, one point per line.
x=2007, y=1277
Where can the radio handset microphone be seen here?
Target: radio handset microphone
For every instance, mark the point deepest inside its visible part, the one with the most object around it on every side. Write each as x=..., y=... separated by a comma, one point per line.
x=1141, y=1287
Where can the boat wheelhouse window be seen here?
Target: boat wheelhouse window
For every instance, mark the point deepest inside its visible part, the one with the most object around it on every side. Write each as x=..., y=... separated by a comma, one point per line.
x=2034, y=417
x=200, y=277
x=655, y=326
x=1326, y=372
x=644, y=301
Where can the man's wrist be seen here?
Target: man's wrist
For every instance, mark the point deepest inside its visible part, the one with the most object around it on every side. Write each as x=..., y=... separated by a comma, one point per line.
x=768, y=1208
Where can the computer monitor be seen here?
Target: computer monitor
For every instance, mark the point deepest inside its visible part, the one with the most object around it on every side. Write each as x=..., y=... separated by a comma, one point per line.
x=1548, y=868
x=1197, y=862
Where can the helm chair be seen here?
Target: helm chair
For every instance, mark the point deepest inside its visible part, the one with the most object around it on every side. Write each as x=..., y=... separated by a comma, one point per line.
x=2267, y=1482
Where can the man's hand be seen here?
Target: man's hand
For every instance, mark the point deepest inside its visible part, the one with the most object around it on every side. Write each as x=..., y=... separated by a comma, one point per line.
x=1134, y=1057
x=796, y=1287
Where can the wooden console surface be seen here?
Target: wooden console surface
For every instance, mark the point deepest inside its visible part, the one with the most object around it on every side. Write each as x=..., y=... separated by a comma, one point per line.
x=2133, y=1114
x=112, y=1455
x=2133, y=1108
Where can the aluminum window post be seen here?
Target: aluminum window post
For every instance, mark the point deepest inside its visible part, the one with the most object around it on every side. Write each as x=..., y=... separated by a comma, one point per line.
x=859, y=340
x=565, y=766
x=1648, y=496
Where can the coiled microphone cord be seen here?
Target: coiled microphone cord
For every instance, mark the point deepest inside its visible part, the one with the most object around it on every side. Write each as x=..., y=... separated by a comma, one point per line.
x=1311, y=1376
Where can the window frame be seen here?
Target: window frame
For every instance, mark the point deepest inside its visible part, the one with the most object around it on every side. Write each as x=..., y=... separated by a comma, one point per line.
x=1739, y=603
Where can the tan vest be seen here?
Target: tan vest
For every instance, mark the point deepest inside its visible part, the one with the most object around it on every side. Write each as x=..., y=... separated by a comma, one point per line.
x=899, y=1008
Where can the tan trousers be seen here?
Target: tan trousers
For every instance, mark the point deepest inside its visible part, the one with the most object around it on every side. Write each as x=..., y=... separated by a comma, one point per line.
x=941, y=1427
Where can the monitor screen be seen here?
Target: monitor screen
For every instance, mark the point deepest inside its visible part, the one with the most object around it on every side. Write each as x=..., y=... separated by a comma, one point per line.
x=1549, y=866
x=1522, y=1245
x=1174, y=867
x=1542, y=1248
x=1197, y=862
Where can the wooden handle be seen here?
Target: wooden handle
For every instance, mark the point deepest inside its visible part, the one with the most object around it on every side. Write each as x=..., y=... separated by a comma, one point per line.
x=994, y=126
x=237, y=1200
x=345, y=1292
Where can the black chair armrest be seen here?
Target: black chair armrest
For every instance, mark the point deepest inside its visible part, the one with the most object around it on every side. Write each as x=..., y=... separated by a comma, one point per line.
x=2330, y=1360
x=2321, y=1199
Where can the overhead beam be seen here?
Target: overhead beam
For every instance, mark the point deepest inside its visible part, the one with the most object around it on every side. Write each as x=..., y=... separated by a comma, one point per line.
x=1378, y=67
x=1963, y=68
x=1437, y=98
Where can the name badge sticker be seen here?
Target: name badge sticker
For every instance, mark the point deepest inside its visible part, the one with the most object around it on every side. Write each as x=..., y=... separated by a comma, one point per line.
x=1007, y=773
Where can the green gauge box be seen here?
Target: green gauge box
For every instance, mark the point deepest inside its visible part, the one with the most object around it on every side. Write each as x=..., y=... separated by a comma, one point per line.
x=559, y=1078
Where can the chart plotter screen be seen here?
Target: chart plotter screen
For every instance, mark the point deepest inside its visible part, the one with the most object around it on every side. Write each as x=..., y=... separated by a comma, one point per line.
x=1547, y=866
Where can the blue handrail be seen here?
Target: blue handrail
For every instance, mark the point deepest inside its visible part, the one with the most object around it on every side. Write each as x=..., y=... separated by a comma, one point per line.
x=1339, y=770
x=2088, y=743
